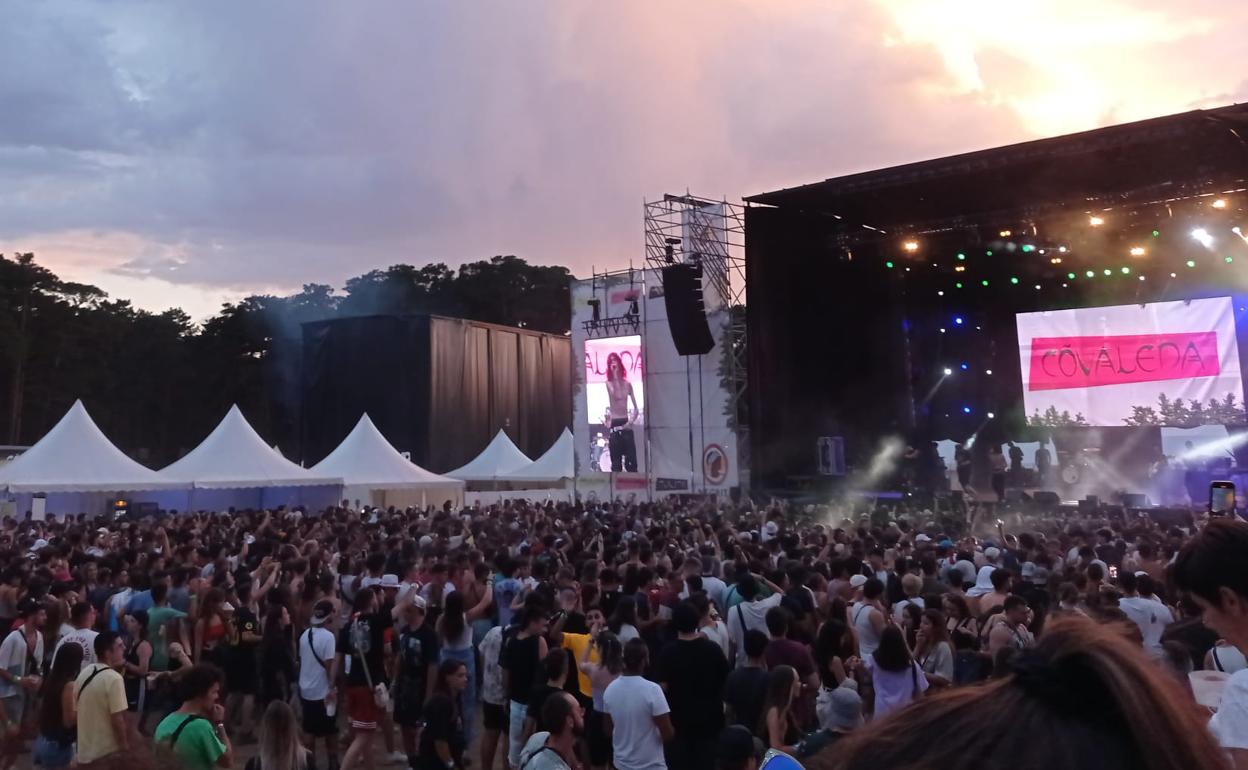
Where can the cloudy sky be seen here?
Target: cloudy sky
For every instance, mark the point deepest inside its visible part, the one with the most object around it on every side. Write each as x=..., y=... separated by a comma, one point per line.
x=184, y=153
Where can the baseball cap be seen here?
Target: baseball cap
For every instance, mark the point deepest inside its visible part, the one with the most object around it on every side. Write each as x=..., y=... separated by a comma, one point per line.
x=922, y=538
x=858, y=581
x=992, y=552
x=737, y=744
x=841, y=709
x=322, y=612
x=28, y=606
x=419, y=602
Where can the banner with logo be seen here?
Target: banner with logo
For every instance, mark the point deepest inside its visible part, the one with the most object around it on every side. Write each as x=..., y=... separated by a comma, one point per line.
x=1161, y=363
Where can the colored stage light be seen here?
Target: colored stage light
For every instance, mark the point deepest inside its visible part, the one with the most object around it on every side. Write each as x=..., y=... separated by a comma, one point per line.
x=964, y=366
x=1095, y=221
x=1137, y=251
x=1014, y=280
x=1071, y=276
x=1156, y=233
x=1055, y=261
x=1229, y=260
x=889, y=265
x=1126, y=270
x=1191, y=263
x=1202, y=235
x=958, y=284
x=961, y=255
x=984, y=282
x=966, y=410
x=957, y=320
x=988, y=252
x=1028, y=248
x=942, y=330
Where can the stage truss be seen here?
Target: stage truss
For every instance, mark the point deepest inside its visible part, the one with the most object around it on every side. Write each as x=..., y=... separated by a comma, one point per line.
x=692, y=230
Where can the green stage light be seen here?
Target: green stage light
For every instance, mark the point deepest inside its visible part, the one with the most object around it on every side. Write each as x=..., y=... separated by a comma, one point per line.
x=1229, y=260
x=984, y=282
x=1071, y=276
x=1191, y=263
x=888, y=265
x=1028, y=248
x=958, y=284
x=1156, y=233
x=1126, y=271
x=989, y=252
x=1014, y=281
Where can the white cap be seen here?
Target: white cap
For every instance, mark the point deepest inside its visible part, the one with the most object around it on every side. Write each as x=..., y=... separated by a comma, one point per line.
x=992, y=552
x=426, y=540
x=39, y=545
x=922, y=538
x=858, y=581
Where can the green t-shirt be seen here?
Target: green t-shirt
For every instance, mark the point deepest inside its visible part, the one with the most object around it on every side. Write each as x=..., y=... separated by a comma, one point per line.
x=198, y=747
x=158, y=634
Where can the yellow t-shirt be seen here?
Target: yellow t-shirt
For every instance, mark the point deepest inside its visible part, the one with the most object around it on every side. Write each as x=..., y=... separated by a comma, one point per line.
x=104, y=696
x=577, y=644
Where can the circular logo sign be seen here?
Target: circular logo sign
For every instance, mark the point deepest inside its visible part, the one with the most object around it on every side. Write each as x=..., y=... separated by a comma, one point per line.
x=714, y=464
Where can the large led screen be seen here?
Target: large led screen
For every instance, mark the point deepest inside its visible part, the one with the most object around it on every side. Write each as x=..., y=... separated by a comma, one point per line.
x=613, y=394
x=1161, y=363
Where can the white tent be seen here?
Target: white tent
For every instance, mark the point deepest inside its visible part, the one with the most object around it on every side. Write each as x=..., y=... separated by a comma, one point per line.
x=370, y=465
x=234, y=457
x=494, y=463
x=556, y=464
x=76, y=456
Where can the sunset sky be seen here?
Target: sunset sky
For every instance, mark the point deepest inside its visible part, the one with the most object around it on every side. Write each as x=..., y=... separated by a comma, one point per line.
x=186, y=153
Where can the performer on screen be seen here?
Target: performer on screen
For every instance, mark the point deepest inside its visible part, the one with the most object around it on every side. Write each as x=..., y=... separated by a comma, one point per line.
x=622, y=443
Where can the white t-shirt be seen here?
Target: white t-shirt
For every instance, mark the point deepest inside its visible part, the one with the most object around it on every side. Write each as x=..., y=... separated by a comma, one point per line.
x=1230, y=725
x=84, y=638
x=755, y=616
x=1152, y=617
x=13, y=657
x=899, y=609
x=894, y=689
x=718, y=634
x=633, y=702
x=313, y=678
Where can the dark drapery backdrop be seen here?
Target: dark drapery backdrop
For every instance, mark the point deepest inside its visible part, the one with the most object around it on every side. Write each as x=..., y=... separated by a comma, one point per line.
x=437, y=387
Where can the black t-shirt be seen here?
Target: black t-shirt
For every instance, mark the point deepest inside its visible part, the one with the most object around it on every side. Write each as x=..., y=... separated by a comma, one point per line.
x=745, y=692
x=608, y=600
x=441, y=724
x=521, y=658
x=538, y=699
x=694, y=671
x=243, y=653
x=365, y=634
x=418, y=650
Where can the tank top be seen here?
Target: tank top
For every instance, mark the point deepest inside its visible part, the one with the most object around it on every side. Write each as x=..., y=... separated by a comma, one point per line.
x=1229, y=659
x=868, y=637
x=462, y=642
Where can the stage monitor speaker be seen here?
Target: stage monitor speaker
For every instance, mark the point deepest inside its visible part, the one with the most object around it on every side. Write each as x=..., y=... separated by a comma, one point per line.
x=1046, y=499
x=1131, y=500
x=686, y=313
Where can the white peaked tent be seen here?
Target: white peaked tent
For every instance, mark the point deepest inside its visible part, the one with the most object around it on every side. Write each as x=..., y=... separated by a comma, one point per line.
x=374, y=471
x=234, y=457
x=555, y=465
x=76, y=456
x=494, y=463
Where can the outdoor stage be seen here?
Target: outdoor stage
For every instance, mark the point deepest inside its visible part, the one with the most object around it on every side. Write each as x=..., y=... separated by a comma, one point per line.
x=1085, y=291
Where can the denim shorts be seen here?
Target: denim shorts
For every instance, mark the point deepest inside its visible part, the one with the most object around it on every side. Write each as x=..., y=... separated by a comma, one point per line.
x=50, y=754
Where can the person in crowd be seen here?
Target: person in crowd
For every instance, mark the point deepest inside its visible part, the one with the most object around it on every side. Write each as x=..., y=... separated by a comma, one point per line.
x=195, y=733
x=746, y=688
x=21, y=660
x=279, y=746
x=834, y=653
x=553, y=675
x=896, y=679
x=242, y=674
x=783, y=651
x=934, y=651
x=138, y=660
x=778, y=725
x=710, y=625
x=1082, y=698
x=442, y=741
x=100, y=702
x=493, y=696
x=692, y=670
x=638, y=718
x=417, y=666
x=608, y=668
x=840, y=714
x=520, y=658
x=1210, y=567
x=868, y=617
x=751, y=611
x=1148, y=614
x=911, y=585
x=318, y=669
x=211, y=628
x=554, y=748
x=1009, y=629
x=82, y=618
x=454, y=642
x=623, y=621
x=58, y=712
x=277, y=662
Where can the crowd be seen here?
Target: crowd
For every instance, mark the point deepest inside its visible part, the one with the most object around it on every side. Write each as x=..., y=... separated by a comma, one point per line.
x=636, y=636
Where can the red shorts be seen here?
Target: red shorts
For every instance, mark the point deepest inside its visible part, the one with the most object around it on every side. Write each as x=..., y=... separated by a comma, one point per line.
x=362, y=708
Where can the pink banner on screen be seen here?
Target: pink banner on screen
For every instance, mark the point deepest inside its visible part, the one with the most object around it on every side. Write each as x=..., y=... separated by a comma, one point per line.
x=598, y=351
x=1059, y=363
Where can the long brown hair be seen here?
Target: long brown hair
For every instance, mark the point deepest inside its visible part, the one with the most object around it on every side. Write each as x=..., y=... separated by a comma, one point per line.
x=1083, y=697
x=779, y=695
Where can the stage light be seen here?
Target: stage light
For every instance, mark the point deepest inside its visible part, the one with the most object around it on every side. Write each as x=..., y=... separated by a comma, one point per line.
x=1137, y=251
x=1061, y=249
x=1014, y=280
x=1028, y=248
x=1202, y=235
x=1071, y=276
x=988, y=252
x=1037, y=287
x=1191, y=263
x=1219, y=204
x=1229, y=260
x=966, y=410
x=1091, y=274
x=940, y=293
x=1065, y=286
x=1156, y=233
x=1126, y=270
x=992, y=415
x=958, y=320
x=942, y=330
x=958, y=284
x=889, y=265
x=964, y=366
x=961, y=255
x=910, y=246
x=1055, y=261
x=1107, y=271
x=1174, y=275
x=948, y=371
x=988, y=372
x=1141, y=277
x=984, y=282
x=959, y=269
x=1095, y=221
x=1005, y=233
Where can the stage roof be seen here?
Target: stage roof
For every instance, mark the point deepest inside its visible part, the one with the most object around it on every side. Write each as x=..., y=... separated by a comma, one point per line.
x=1202, y=151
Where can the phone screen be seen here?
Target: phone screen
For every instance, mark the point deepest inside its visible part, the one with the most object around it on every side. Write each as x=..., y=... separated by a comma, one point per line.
x=1221, y=497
